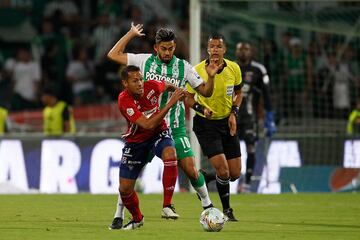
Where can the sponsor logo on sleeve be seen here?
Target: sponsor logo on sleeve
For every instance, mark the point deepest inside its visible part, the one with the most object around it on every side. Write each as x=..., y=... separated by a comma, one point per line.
x=229, y=90
x=197, y=75
x=150, y=94
x=130, y=111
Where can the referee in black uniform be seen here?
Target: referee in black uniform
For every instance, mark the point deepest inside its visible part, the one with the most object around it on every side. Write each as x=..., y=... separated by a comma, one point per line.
x=215, y=121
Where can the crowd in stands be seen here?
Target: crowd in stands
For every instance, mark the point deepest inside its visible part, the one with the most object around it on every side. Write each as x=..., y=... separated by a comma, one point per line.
x=321, y=79
x=72, y=37
x=69, y=50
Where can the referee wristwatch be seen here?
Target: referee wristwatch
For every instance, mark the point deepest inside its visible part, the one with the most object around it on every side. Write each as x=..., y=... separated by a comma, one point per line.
x=235, y=110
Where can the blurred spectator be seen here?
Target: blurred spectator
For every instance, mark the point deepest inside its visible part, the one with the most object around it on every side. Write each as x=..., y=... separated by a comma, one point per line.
x=5, y=83
x=350, y=58
x=23, y=5
x=322, y=97
x=107, y=76
x=285, y=44
x=1, y=59
x=111, y=8
x=80, y=73
x=182, y=46
x=181, y=8
x=322, y=46
x=296, y=79
x=51, y=49
x=57, y=115
x=103, y=38
x=336, y=78
x=353, y=126
x=65, y=17
x=25, y=74
x=68, y=8
x=4, y=127
x=271, y=58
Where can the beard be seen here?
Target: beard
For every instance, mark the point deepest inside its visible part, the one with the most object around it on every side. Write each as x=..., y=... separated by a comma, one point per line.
x=165, y=60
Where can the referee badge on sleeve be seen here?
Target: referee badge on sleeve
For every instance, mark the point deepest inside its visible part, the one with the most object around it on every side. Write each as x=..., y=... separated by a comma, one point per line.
x=229, y=90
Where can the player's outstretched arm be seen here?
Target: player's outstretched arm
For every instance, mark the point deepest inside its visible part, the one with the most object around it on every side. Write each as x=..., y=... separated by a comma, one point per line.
x=117, y=54
x=206, y=88
x=155, y=120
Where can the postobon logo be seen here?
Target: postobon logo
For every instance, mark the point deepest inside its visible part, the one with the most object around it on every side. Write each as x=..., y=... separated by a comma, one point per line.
x=158, y=77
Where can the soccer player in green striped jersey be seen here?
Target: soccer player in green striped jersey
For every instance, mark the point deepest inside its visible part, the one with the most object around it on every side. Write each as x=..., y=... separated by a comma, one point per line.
x=165, y=66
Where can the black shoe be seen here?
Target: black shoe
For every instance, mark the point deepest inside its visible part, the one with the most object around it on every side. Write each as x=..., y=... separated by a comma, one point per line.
x=230, y=215
x=208, y=206
x=117, y=223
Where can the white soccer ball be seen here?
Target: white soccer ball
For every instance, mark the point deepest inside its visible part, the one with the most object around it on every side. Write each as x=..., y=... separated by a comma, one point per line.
x=212, y=220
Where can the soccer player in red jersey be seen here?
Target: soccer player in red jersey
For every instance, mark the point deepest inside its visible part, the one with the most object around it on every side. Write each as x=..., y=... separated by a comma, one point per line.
x=147, y=135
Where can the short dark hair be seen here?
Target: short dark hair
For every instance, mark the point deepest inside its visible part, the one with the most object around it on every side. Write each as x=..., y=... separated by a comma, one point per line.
x=218, y=36
x=50, y=89
x=244, y=43
x=164, y=35
x=127, y=69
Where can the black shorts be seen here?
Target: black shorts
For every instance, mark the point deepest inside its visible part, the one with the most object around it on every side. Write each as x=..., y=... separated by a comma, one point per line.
x=214, y=137
x=247, y=131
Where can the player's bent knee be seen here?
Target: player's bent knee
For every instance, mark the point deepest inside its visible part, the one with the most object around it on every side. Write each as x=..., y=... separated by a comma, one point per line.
x=169, y=153
x=234, y=177
x=223, y=173
x=125, y=190
x=125, y=193
x=188, y=166
x=192, y=174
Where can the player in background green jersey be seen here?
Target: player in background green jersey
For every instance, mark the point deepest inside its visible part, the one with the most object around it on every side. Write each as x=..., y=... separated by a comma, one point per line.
x=165, y=66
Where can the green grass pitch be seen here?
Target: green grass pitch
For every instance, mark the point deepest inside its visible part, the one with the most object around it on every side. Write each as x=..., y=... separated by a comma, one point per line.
x=84, y=216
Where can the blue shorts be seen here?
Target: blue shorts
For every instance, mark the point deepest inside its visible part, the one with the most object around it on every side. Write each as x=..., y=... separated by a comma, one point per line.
x=136, y=155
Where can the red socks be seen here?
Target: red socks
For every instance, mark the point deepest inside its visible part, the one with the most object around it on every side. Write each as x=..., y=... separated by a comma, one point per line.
x=169, y=179
x=170, y=174
x=131, y=202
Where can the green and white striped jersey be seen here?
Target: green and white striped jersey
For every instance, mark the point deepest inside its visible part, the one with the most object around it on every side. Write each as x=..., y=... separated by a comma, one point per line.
x=177, y=72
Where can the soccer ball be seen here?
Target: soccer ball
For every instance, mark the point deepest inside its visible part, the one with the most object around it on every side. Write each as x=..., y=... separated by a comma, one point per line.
x=212, y=220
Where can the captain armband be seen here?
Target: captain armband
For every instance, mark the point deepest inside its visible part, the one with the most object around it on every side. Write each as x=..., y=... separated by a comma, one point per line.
x=198, y=107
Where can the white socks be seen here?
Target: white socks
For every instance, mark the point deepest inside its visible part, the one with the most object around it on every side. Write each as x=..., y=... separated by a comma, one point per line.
x=204, y=195
x=119, y=208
